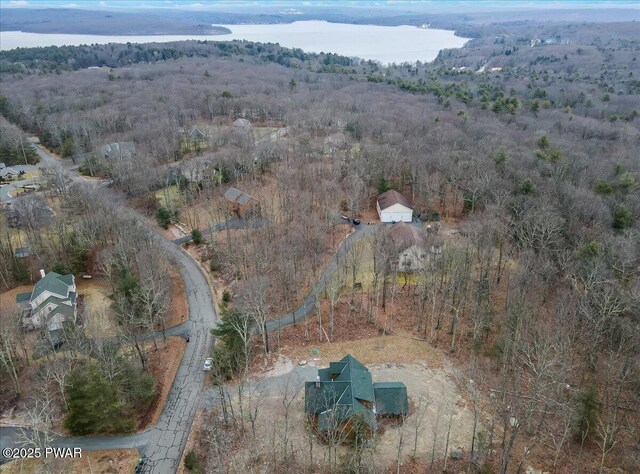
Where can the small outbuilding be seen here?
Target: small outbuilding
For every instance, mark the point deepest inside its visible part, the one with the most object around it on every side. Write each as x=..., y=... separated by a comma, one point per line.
x=22, y=252
x=394, y=207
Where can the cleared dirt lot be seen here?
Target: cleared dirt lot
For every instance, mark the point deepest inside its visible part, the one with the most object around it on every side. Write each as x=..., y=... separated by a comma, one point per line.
x=99, y=318
x=428, y=376
x=8, y=304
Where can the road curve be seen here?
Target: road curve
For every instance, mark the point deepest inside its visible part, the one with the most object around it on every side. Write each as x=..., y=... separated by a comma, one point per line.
x=164, y=443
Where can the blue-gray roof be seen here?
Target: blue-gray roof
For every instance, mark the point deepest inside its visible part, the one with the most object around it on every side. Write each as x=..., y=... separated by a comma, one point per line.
x=54, y=283
x=118, y=149
x=235, y=195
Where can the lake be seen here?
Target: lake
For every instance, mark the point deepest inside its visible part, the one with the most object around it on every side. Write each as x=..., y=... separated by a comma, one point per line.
x=386, y=44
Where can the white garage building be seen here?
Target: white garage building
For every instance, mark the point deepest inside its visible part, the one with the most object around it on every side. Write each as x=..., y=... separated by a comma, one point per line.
x=394, y=207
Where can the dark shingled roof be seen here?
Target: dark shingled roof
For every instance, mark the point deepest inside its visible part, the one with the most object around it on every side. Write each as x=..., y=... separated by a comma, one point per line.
x=61, y=300
x=345, y=389
x=391, y=197
x=391, y=398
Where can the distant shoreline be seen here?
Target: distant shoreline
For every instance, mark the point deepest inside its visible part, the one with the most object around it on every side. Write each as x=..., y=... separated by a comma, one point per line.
x=216, y=31
x=386, y=44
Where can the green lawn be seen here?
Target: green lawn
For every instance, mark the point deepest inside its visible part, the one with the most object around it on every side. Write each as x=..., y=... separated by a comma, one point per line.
x=169, y=196
x=365, y=270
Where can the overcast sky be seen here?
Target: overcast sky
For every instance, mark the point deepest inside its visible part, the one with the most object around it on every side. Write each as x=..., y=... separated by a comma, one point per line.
x=432, y=5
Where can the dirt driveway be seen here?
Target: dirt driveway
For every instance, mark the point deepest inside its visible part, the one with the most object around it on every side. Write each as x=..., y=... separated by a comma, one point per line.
x=434, y=384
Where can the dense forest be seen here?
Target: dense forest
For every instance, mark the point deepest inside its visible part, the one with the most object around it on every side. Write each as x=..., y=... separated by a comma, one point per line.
x=528, y=137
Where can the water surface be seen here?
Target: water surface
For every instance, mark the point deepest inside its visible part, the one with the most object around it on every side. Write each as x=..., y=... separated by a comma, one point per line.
x=386, y=44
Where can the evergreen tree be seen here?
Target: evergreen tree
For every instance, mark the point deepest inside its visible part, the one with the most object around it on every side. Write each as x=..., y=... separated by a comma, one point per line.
x=94, y=405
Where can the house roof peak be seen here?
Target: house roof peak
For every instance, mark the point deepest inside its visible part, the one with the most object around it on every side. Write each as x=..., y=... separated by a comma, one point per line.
x=392, y=197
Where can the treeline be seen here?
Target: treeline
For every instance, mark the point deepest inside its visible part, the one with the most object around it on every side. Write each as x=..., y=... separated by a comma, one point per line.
x=512, y=61
x=71, y=58
x=15, y=149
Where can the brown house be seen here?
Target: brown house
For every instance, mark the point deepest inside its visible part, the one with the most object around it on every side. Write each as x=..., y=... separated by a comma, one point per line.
x=241, y=204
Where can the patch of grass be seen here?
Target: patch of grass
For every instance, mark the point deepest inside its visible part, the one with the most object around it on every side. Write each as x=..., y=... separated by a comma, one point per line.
x=365, y=272
x=383, y=349
x=169, y=196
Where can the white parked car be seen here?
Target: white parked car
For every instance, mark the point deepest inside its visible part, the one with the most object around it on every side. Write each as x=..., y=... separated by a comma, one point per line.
x=208, y=363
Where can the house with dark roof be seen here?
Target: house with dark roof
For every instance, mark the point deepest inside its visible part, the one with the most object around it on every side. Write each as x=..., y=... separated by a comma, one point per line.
x=50, y=304
x=345, y=399
x=241, y=204
x=394, y=207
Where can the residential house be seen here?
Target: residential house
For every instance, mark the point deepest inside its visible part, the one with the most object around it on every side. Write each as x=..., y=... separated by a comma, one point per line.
x=344, y=399
x=394, y=207
x=50, y=305
x=200, y=169
x=241, y=203
x=242, y=124
x=412, y=247
x=118, y=150
x=195, y=138
x=8, y=174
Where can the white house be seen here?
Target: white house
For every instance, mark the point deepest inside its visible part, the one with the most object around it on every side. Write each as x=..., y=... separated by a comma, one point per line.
x=394, y=207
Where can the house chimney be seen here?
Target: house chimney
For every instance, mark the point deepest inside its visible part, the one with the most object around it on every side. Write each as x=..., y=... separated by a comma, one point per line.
x=42, y=274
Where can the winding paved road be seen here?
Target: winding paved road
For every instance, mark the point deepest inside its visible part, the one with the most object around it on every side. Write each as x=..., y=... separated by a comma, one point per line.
x=164, y=443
